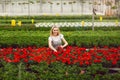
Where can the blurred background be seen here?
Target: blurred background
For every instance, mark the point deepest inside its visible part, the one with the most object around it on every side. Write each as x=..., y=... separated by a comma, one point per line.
x=38, y=7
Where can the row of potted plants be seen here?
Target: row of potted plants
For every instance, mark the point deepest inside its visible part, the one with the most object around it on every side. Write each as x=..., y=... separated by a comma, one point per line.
x=40, y=38
x=52, y=17
x=70, y=55
x=41, y=63
x=31, y=27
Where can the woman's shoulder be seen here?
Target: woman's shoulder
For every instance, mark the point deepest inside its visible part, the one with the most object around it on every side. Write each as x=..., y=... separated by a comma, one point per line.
x=49, y=38
x=61, y=35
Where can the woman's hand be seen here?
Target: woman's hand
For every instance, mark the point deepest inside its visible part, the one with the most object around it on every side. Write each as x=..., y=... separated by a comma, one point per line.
x=55, y=50
x=62, y=46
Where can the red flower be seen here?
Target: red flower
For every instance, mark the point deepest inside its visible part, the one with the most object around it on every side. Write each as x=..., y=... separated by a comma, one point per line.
x=97, y=61
x=114, y=62
x=37, y=58
x=87, y=62
x=81, y=63
x=7, y=59
x=16, y=60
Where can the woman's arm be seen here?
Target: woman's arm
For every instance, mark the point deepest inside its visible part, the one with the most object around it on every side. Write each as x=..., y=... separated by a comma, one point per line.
x=65, y=42
x=50, y=45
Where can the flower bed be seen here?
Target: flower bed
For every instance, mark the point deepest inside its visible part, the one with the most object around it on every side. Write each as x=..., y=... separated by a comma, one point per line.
x=70, y=55
x=33, y=63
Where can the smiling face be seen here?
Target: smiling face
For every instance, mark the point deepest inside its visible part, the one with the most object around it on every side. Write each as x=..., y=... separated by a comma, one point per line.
x=55, y=31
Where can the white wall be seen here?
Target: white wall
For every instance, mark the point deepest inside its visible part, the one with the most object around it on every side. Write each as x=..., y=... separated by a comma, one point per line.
x=22, y=9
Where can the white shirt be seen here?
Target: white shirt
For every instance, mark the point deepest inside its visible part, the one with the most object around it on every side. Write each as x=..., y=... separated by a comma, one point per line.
x=56, y=40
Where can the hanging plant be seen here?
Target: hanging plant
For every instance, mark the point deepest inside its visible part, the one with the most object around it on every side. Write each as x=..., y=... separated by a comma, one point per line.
x=90, y=2
x=108, y=3
x=43, y=1
x=23, y=3
x=38, y=1
x=58, y=3
x=50, y=2
x=95, y=3
x=19, y=3
x=83, y=1
x=74, y=1
x=31, y=2
x=114, y=7
x=64, y=3
x=99, y=3
x=70, y=2
x=13, y=3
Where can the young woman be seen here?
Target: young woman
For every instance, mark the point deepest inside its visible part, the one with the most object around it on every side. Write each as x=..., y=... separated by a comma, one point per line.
x=56, y=39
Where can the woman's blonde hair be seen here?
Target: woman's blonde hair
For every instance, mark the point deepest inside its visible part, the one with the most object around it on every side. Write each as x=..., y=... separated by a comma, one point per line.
x=51, y=31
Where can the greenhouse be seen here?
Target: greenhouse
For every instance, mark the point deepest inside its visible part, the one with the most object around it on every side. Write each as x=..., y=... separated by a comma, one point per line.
x=59, y=39
x=38, y=7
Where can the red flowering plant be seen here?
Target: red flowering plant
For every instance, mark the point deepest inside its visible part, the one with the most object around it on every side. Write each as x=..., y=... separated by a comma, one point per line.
x=70, y=55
